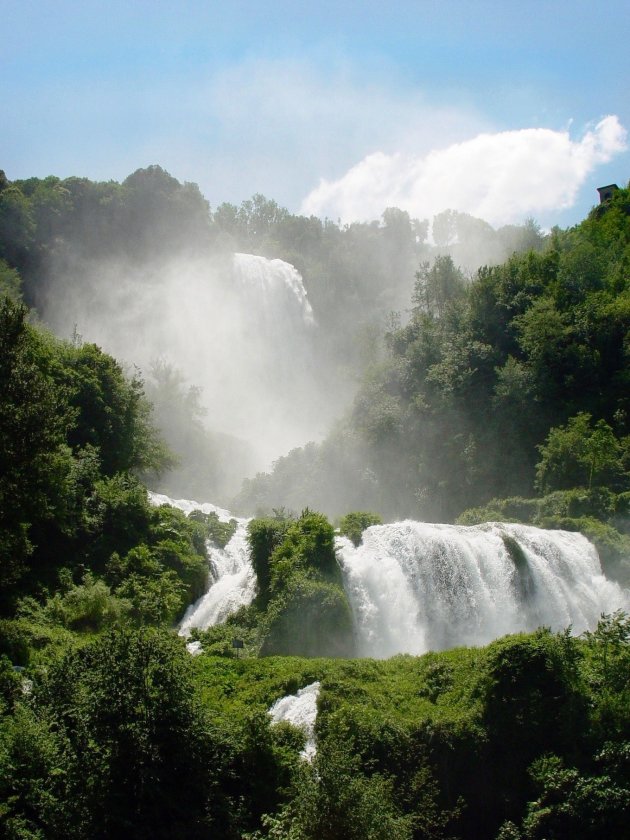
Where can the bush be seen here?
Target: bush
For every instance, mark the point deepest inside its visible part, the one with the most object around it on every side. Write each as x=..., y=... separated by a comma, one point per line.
x=613, y=548
x=309, y=543
x=13, y=642
x=89, y=606
x=513, y=509
x=309, y=618
x=300, y=586
x=352, y=525
x=218, y=532
x=263, y=537
x=533, y=703
x=577, y=502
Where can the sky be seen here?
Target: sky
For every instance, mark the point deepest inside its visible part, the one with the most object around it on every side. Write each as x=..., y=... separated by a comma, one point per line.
x=505, y=110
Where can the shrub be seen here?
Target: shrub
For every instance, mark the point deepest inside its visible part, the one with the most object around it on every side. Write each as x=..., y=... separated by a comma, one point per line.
x=352, y=525
x=309, y=618
x=218, y=532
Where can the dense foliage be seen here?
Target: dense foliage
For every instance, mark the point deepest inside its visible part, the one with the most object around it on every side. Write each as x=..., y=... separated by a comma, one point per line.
x=80, y=545
x=352, y=525
x=71, y=423
x=128, y=735
x=300, y=607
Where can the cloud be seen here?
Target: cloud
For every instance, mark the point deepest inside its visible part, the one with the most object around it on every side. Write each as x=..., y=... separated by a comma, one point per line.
x=501, y=177
x=277, y=125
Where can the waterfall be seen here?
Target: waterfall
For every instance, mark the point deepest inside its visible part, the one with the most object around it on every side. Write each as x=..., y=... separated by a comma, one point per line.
x=187, y=506
x=232, y=576
x=270, y=281
x=415, y=587
x=233, y=584
x=301, y=710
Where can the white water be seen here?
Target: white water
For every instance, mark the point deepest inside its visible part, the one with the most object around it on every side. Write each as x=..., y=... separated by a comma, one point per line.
x=415, y=587
x=232, y=576
x=187, y=506
x=272, y=281
x=301, y=710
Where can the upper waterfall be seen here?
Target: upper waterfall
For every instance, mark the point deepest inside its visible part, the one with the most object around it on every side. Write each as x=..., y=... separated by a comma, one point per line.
x=267, y=279
x=416, y=587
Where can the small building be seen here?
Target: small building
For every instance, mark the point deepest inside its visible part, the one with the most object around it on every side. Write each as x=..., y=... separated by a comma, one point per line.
x=606, y=193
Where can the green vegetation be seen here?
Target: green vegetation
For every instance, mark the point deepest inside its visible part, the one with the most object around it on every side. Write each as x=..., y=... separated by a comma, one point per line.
x=599, y=514
x=78, y=538
x=218, y=532
x=58, y=236
x=526, y=738
x=352, y=525
x=579, y=455
x=301, y=607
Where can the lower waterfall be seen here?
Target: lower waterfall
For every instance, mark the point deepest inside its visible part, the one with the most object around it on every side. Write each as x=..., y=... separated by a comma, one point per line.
x=301, y=710
x=415, y=587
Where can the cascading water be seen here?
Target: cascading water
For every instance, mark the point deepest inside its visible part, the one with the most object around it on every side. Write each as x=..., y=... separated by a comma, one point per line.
x=270, y=281
x=232, y=576
x=415, y=587
x=301, y=710
x=233, y=584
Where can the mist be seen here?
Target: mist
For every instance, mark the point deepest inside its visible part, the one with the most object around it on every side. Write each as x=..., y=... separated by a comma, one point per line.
x=237, y=329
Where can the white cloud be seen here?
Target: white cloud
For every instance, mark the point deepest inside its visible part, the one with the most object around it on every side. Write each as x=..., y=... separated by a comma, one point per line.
x=277, y=126
x=501, y=177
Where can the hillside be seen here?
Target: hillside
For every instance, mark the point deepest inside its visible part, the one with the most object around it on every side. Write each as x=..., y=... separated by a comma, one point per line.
x=502, y=395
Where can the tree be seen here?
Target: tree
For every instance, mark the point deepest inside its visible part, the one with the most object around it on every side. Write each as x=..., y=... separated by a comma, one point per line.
x=17, y=228
x=33, y=417
x=437, y=285
x=334, y=798
x=112, y=413
x=352, y=525
x=138, y=754
x=10, y=282
x=580, y=455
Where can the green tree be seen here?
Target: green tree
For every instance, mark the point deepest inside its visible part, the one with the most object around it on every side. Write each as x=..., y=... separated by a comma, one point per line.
x=112, y=413
x=263, y=537
x=437, y=285
x=10, y=282
x=580, y=454
x=17, y=228
x=334, y=799
x=139, y=756
x=352, y=525
x=33, y=417
x=583, y=806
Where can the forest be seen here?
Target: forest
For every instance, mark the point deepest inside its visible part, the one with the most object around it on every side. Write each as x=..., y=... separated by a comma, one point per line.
x=486, y=375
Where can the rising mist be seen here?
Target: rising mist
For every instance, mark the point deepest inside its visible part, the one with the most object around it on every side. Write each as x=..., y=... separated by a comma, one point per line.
x=239, y=327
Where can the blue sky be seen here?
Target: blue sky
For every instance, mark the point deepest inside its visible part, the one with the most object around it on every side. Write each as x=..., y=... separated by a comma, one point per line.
x=502, y=109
